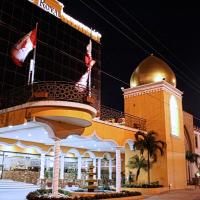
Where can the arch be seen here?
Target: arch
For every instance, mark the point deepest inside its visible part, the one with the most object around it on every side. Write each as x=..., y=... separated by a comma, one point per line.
x=174, y=116
x=91, y=154
x=95, y=136
x=130, y=144
x=74, y=151
x=23, y=146
x=187, y=139
x=107, y=155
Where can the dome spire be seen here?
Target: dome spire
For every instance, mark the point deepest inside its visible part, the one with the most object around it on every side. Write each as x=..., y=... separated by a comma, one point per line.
x=152, y=69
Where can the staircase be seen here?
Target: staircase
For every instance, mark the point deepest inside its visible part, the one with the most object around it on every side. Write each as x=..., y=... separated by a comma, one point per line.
x=10, y=184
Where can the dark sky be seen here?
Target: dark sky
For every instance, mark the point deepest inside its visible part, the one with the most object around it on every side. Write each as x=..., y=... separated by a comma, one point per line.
x=176, y=25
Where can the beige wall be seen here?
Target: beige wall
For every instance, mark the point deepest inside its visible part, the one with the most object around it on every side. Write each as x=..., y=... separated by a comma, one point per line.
x=154, y=107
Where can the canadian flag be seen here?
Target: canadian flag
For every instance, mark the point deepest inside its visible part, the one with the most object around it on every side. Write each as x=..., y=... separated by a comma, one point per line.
x=20, y=50
x=81, y=85
x=89, y=62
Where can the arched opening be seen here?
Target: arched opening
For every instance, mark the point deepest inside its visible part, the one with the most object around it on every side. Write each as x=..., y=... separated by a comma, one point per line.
x=174, y=116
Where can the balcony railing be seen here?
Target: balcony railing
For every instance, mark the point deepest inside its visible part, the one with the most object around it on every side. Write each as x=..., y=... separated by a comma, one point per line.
x=118, y=117
x=50, y=90
x=68, y=91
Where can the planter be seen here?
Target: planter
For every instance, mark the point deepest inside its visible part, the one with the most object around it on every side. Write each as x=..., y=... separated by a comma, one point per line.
x=150, y=191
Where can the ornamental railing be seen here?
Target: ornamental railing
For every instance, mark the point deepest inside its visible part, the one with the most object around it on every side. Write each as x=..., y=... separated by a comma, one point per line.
x=69, y=91
x=117, y=117
x=50, y=90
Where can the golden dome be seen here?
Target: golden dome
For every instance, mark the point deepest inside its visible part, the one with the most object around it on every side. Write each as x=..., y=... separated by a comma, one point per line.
x=152, y=69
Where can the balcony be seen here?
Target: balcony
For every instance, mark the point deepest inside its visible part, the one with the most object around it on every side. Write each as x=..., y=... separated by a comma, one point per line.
x=121, y=118
x=50, y=90
x=62, y=92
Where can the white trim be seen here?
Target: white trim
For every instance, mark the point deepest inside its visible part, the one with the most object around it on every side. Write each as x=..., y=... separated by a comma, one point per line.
x=152, y=87
x=74, y=151
x=23, y=146
x=91, y=154
x=68, y=104
x=115, y=125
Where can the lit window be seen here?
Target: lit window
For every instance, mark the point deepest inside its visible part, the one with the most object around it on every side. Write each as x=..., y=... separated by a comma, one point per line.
x=174, y=116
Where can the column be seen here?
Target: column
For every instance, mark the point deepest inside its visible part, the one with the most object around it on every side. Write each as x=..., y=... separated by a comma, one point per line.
x=62, y=166
x=56, y=168
x=94, y=162
x=42, y=164
x=110, y=169
x=118, y=170
x=79, y=167
x=99, y=168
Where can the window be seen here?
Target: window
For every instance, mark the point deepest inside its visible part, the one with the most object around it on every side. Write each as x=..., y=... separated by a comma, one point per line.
x=174, y=116
x=196, y=141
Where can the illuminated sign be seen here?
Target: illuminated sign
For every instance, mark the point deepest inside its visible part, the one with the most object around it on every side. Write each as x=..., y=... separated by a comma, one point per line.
x=55, y=8
x=43, y=4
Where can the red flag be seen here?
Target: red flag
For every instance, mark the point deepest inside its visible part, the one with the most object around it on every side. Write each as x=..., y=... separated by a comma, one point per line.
x=23, y=47
x=89, y=62
x=81, y=85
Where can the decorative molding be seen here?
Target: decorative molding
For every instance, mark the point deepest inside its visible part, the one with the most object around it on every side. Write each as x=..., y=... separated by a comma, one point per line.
x=68, y=104
x=115, y=125
x=74, y=151
x=23, y=146
x=152, y=87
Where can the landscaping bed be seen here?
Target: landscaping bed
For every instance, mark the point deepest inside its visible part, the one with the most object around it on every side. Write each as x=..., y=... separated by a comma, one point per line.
x=46, y=195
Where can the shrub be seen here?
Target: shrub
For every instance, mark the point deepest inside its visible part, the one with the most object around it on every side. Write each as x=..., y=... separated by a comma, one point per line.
x=41, y=195
x=152, y=185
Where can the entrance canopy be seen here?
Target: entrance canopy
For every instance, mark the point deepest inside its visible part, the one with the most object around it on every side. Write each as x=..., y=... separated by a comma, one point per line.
x=35, y=132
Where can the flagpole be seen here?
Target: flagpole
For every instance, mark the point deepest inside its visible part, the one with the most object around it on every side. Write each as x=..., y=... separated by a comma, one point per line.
x=90, y=70
x=32, y=63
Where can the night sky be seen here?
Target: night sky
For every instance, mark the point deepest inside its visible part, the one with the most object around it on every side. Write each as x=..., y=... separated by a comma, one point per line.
x=177, y=26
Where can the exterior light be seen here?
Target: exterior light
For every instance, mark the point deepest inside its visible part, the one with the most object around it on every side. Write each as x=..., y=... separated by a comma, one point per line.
x=10, y=126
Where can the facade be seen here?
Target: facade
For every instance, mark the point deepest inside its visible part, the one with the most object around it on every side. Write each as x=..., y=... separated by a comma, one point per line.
x=57, y=137
x=61, y=43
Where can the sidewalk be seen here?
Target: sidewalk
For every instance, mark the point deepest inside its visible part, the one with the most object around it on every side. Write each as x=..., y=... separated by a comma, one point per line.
x=187, y=194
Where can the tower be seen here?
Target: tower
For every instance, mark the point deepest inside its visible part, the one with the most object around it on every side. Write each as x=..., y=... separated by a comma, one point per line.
x=153, y=95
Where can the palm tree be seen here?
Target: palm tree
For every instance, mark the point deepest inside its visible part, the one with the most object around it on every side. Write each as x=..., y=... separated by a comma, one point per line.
x=137, y=162
x=192, y=157
x=147, y=142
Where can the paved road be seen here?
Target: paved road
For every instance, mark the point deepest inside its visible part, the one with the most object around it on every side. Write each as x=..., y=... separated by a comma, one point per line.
x=14, y=194
x=188, y=194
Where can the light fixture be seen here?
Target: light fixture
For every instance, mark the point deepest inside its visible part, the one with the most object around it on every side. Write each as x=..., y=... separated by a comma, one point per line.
x=10, y=126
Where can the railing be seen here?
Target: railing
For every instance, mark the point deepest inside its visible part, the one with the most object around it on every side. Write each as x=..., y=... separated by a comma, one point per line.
x=69, y=91
x=50, y=90
x=115, y=116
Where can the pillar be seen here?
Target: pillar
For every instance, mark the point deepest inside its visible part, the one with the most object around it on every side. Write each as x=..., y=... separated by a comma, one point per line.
x=94, y=162
x=62, y=166
x=79, y=167
x=110, y=169
x=42, y=165
x=118, y=170
x=99, y=169
x=56, y=168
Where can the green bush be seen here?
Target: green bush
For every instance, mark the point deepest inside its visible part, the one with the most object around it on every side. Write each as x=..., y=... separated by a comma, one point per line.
x=152, y=185
x=37, y=195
